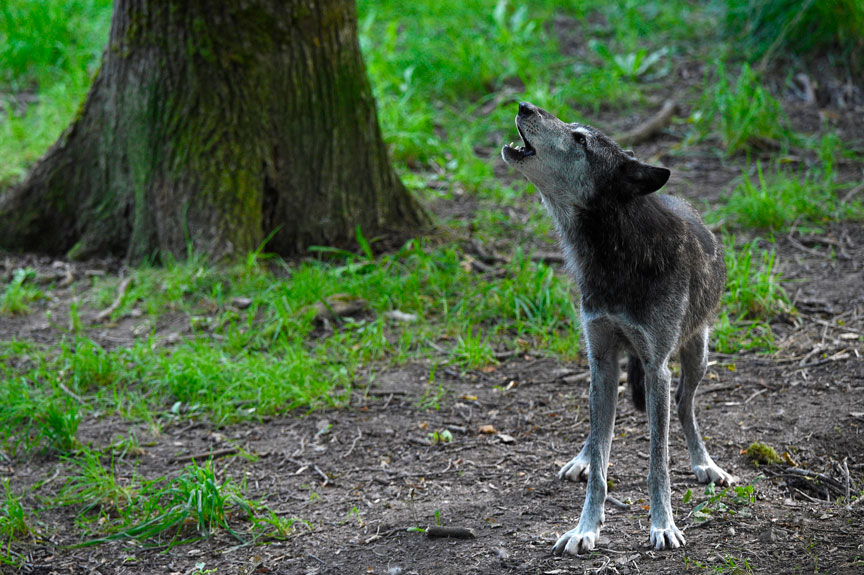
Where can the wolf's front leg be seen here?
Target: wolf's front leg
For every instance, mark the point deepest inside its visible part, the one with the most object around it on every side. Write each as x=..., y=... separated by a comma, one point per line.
x=664, y=534
x=602, y=398
x=577, y=468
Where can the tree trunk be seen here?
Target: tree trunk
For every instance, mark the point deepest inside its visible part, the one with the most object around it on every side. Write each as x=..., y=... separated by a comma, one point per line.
x=209, y=125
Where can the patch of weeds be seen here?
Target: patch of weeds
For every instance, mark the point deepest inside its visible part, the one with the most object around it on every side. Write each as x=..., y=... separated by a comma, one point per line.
x=728, y=501
x=275, y=526
x=18, y=294
x=762, y=454
x=634, y=65
x=13, y=518
x=473, y=351
x=442, y=436
x=778, y=199
x=194, y=499
x=92, y=485
x=741, y=112
x=752, y=298
x=761, y=27
x=58, y=425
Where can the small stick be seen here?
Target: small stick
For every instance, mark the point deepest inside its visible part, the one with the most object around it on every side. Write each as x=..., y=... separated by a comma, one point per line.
x=354, y=443
x=838, y=327
x=454, y=532
x=617, y=503
x=646, y=131
x=121, y=292
x=848, y=483
x=322, y=474
x=830, y=481
x=852, y=192
x=207, y=455
x=70, y=393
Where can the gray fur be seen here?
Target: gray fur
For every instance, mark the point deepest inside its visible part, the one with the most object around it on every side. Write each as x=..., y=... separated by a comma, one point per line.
x=650, y=276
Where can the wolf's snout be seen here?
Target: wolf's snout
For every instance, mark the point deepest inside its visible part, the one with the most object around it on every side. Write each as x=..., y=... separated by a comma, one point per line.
x=526, y=109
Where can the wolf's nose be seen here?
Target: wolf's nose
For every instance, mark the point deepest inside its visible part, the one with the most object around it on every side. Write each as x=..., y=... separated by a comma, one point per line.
x=526, y=109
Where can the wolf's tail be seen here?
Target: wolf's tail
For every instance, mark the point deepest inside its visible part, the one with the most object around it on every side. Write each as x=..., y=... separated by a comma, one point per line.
x=636, y=378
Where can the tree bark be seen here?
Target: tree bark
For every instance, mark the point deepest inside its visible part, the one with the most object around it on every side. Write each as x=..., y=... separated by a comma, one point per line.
x=210, y=125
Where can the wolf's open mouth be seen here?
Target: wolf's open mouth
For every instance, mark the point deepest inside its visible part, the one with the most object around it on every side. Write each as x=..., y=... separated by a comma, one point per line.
x=523, y=151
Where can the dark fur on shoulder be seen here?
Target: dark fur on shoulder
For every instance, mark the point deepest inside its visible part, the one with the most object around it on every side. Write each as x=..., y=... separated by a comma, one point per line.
x=650, y=276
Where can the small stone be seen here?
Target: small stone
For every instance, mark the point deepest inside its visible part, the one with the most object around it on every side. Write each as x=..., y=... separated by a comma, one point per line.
x=241, y=302
x=768, y=536
x=506, y=438
x=731, y=532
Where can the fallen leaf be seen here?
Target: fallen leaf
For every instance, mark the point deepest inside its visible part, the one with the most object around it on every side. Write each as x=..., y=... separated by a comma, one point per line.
x=487, y=430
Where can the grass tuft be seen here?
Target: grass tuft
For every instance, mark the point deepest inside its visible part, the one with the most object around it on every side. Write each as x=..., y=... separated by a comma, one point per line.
x=741, y=112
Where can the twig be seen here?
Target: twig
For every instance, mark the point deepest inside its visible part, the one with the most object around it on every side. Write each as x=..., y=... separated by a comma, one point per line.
x=69, y=392
x=354, y=443
x=322, y=474
x=753, y=396
x=838, y=327
x=207, y=455
x=829, y=481
x=646, y=131
x=547, y=257
x=617, y=503
x=852, y=192
x=121, y=292
x=845, y=469
x=798, y=245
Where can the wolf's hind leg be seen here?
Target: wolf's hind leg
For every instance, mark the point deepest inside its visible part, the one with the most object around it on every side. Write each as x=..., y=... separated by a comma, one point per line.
x=694, y=362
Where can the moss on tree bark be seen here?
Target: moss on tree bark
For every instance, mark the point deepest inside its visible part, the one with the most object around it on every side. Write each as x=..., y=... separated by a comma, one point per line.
x=209, y=125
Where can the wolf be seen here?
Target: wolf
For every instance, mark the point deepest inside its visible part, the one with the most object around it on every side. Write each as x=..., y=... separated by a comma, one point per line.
x=650, y=277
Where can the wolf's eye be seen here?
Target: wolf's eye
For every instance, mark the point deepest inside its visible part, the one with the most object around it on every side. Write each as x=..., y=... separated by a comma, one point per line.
x=580, y=138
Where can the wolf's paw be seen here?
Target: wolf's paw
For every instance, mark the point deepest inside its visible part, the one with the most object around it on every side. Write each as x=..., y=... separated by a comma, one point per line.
x=576, y=541
x=666, y=536
x=711, y=473
x=575, y=470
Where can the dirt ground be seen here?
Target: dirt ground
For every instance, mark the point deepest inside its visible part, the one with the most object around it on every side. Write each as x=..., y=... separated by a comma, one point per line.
x=364, y=475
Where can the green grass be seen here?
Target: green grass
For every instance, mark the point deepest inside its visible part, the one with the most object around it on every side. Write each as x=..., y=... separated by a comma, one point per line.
x=740, y=112
x=753, y=297
x=18, y=294
x=48, y=54
x=194, y=505
x=238, y=364
x=773, y=27
x=776, y=200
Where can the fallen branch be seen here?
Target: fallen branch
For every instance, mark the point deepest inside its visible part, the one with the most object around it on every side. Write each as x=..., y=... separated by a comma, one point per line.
x=454, y=532
x=852, y=192
x=121, y=293
x=646, y=131
x=207, y=455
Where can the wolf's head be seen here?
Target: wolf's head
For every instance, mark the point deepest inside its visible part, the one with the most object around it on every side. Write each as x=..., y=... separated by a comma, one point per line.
x=573, y=165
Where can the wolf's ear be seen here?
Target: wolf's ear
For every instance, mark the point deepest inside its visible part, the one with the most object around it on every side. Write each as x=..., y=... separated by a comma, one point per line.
x=642, y=179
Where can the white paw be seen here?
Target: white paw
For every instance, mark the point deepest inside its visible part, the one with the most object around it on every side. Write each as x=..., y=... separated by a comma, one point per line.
x=711, y=473
x=576, y=541
x=575, y=470
x=666, y=536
